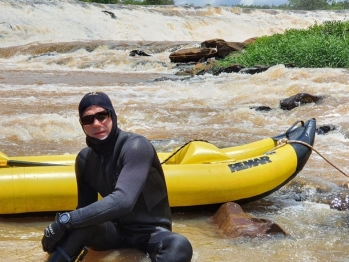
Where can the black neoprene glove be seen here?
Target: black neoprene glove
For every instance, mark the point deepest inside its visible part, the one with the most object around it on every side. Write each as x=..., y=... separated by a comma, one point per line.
x=52, y=235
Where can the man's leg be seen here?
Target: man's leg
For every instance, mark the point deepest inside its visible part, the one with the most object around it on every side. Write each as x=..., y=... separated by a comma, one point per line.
x=167, y=246
x=100, y=237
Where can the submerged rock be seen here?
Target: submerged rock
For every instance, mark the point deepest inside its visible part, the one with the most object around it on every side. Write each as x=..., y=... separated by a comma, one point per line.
x=340, y=203
x=254, y=70
x=322, y=130
x=112, y=15
x=138, y=52
x=261, y=108
x=229, y=69
x=297, y=100
x=233, y=222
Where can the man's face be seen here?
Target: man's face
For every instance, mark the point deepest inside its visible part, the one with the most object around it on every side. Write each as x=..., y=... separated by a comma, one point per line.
x=99, y=129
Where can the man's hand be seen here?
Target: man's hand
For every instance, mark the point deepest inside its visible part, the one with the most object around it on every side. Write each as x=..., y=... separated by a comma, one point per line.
x=52, y=235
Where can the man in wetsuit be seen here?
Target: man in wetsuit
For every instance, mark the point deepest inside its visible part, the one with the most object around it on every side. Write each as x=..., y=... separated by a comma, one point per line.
x=134, y=210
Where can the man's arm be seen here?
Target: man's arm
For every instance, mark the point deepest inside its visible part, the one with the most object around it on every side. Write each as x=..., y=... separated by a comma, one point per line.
x=86, y=194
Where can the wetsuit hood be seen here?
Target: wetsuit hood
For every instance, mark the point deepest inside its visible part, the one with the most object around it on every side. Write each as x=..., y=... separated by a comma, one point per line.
x=102, y=100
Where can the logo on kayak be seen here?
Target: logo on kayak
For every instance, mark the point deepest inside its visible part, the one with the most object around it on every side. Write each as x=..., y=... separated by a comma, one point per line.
x=249, y=163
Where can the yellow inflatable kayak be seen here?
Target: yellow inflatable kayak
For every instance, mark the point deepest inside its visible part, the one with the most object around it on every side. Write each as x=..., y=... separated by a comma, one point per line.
x=198, y=173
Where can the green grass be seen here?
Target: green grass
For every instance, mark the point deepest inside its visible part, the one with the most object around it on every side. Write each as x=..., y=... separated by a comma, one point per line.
x=318, y=46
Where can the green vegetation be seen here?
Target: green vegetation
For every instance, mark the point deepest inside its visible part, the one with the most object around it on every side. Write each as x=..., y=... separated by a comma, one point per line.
x=133, y=2
x=305, y=5
x=316, y=5
x=318, y=46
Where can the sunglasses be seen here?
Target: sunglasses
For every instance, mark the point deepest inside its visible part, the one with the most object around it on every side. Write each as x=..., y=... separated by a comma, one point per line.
x=100, y=116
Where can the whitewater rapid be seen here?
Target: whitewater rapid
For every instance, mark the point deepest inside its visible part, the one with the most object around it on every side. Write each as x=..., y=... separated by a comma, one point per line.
x=23, y=22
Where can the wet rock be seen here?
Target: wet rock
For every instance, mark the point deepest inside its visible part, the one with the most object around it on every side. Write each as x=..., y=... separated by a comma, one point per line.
x=202, y=67
x=233, y=69
x=261, y=108
x=192, y=54
x=322, y=130
x=223, y=48
x=310, y=189
x=138, y=52
x=185, y=66
x=112, y=15
x=36, y=56
x=340, y=202
x=216, y=49
x=290, y=65
x=199, y=69
x=185, y=73
x=212, y=43
x=210, y=48
x=254, y=70
x=160, y=79
x=193, y=70
x=229, y=69
x=299, y=190
x=233, y=222
x=297, y=100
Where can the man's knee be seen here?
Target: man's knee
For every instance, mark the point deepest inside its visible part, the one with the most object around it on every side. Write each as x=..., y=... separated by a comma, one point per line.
x=179, y=246
x=170, y=247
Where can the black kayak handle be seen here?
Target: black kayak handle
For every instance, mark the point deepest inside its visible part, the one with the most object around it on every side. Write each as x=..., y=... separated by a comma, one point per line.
x=28, y=163
x=290, y=129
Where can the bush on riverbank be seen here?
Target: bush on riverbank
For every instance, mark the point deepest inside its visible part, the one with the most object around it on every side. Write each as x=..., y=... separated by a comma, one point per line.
x=318, y=46
x=305, y=5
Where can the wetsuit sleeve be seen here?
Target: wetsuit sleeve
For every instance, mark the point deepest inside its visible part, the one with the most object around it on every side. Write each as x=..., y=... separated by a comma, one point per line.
x=86, y=194
x=136, y=159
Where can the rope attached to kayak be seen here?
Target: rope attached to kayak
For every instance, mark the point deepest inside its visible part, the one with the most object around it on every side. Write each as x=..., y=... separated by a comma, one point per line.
x=280, y=143
x=285, y=141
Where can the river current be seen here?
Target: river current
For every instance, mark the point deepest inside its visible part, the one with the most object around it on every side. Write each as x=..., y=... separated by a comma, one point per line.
x=53, y=52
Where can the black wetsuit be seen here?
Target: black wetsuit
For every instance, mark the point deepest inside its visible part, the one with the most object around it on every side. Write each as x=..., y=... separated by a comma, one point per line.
x=130, y=179
x=134, y=210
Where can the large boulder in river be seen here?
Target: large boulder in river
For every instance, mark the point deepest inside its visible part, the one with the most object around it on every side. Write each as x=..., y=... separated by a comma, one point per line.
x=297, y=100
x=192, y=54
x=216, y=47
x=223, y=48
x=212, y=43
x=233, y=222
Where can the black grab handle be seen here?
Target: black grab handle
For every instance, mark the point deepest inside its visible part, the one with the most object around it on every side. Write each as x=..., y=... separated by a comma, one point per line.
x=290, y=129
